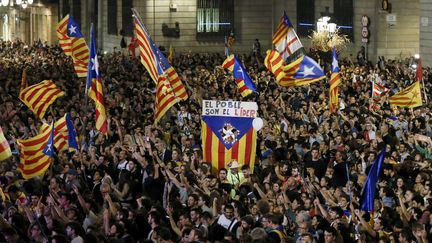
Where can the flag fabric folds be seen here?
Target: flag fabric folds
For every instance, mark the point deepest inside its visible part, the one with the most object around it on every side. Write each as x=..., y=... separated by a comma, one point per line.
x=369, y=189
x=286, y=40
x=218, y=150
x=40, y=96
x=169, y=87
x=244, y=83
x=302, y=71
x=65, y=136
x=33, y=162
x=410, y=97
x=95, y=87
x=5, y=151
x=335, y=81
x=73, y=44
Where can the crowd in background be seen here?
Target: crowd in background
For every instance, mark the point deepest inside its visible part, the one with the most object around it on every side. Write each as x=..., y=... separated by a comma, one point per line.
x=149, y=183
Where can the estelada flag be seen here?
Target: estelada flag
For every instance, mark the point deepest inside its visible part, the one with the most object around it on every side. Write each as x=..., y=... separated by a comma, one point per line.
x=5, y=151
x=410, y=97
x=228, y=138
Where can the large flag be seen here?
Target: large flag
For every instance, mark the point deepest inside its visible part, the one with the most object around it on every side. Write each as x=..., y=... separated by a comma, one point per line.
x=33, y=162
x=302, y=71
x=5, y=151
x=95, y=86
x=64, y=133
x=169, y=88
x=286, y=40
x=244, y=83
x=39, y=97
x=73, y=44
x=369, y=189
x=227, y=133
x=410, y=97
x=335, y=81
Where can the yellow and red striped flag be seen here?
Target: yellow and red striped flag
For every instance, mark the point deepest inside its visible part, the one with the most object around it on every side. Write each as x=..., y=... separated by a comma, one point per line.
x=64, y=133
x=33, y=162
x=410, y=97
x=73, y=44
x=302, y=71
x=95, y=87
x=244, y=83
x=335, y=81
x=5, y=151
x=39, y=97
x=169, y=87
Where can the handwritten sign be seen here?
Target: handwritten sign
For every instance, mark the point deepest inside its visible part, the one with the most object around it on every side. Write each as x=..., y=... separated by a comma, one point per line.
x=229, y=108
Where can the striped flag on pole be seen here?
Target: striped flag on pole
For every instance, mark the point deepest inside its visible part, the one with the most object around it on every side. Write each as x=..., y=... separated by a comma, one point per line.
x=335, y=81
x=33, y=161
x=5, y=151
x=73, y=44
x=244, y=83
x=169, y=87
x=95, y=86
x=40, y=96
x=410, y=97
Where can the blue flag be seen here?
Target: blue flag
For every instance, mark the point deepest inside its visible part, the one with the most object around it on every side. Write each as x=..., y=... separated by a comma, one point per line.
x=368, y=193
x=72, y=142
x=49, y=147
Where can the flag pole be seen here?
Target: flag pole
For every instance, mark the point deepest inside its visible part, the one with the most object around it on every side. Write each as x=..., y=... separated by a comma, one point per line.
x=86, y=94
x=424, y=91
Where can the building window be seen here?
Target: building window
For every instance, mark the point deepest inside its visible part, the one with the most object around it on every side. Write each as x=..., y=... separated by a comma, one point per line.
x=112, y=19
x=343, y=16
x=305, y=17
x=127, y=24
x=215, y=18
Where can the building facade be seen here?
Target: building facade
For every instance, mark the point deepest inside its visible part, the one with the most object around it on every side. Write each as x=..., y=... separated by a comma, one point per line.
x=399, y=30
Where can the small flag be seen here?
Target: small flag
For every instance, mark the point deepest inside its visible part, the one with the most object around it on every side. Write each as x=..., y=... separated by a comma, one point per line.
x=244, y=83
x=302, y=71
x=5, y=151
x=24, y=81
x=39, y=97
x=49, y=147
x=369, y=189
x=419, y=71
x=171, y=54
x=378, y=90
x=73, y=44
x=335, y=81
x=286, y=40
x=410, y=97
x=169, y=87
x=95, y=86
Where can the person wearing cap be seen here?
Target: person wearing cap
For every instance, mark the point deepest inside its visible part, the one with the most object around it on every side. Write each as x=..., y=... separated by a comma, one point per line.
x=235, y=176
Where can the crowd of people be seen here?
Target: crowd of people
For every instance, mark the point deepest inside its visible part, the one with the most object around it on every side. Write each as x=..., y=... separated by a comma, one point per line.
x=148, y=183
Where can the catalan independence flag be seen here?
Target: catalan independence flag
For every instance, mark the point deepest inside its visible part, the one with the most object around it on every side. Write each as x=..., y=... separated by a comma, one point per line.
x=244, y=83
x=95, y=86
x=73, y=44
x=64, y=133
x=39, y=97
x=169, y=87
x=335, y=81
x=410, y=97
x=33, y=161
x=303, y=71
x=286, y=40
x=5, y=151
